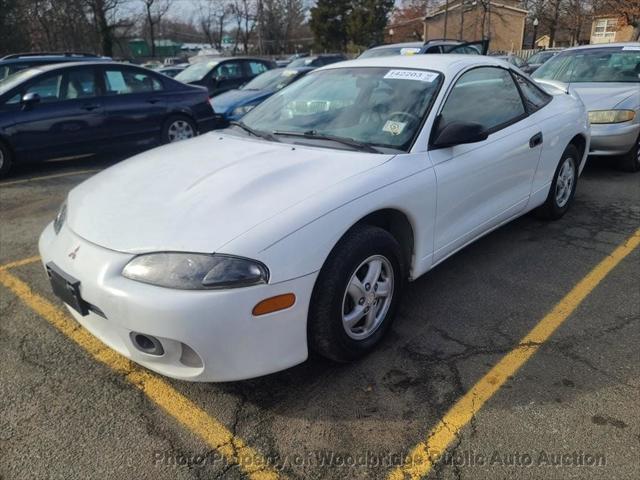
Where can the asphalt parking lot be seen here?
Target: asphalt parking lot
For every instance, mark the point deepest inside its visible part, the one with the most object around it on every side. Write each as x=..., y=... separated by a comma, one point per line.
x=462, y=368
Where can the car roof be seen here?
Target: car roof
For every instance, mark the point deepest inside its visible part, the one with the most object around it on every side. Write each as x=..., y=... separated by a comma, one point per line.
x=604, y=45
x=446, y=63
x=212, y=58
x=399, y=45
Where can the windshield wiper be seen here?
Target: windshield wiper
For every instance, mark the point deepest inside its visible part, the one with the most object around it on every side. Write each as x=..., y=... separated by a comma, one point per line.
x=313, y=134
x=255, y=133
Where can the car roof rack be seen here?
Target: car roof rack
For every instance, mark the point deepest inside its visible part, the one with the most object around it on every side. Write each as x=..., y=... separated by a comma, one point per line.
x=48, y=54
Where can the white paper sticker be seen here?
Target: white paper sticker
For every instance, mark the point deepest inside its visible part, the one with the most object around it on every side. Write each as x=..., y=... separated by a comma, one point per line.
x=394, y=128
x=418, y=75
x=409, y=51
x=632, y=47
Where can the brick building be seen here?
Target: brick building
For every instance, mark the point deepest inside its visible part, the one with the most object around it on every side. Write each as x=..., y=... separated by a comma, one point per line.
x=503, y=21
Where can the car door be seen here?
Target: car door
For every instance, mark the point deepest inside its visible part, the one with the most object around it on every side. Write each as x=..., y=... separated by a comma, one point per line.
x=68, y=119
x=228, y=76
x=482, y=184
x=135, y=105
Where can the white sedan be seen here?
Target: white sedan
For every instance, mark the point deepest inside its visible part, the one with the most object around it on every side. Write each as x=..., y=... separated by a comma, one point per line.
x=230, y=255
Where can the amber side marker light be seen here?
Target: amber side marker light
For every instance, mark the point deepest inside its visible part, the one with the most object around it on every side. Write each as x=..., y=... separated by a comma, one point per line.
x=273, y=304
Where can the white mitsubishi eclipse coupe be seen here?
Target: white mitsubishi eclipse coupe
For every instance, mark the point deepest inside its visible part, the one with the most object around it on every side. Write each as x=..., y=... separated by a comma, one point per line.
x=228, y=256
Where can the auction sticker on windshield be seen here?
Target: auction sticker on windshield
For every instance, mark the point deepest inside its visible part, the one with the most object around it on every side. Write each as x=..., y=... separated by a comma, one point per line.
x=394, y=128
x=411, y=75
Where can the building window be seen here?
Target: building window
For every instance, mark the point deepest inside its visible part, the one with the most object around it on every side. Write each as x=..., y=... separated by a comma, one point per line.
x=605, y=28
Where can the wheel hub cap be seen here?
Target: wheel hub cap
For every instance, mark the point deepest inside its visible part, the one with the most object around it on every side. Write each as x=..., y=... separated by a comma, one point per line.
x=367, y=298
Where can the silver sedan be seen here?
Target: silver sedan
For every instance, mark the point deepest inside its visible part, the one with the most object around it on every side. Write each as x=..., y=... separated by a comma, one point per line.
x=607, y=78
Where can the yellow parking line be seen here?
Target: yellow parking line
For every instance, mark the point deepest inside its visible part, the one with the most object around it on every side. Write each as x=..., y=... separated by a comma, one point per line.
x=47, y=177
x=423, y=457
x=214, y=433
x=19, y=263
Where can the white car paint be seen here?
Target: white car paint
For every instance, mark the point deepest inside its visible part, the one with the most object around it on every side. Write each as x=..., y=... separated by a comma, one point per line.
x=285, y=206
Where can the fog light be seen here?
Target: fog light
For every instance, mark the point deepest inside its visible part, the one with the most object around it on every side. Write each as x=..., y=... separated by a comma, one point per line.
x=274, y=304
x=146, y=343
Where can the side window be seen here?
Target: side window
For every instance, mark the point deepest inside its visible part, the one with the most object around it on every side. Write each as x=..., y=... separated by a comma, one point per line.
x=49, y=88
x=123, y=81
x=534, y=97
x=256, y=68
x=468, y=100
x=81, y=83
x=228, y=71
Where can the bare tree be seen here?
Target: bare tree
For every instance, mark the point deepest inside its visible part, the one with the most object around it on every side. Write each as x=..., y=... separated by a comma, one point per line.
x=245, y=14
x=213, y=16
x=105, y=14
x=154, y=11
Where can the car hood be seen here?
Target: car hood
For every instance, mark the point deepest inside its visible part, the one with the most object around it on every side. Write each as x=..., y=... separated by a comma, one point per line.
x=200, y=194
x=603, y=96
x=226, y=102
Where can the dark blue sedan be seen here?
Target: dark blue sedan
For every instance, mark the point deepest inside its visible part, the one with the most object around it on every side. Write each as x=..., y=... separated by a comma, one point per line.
x=75, y=109
x=232, y=105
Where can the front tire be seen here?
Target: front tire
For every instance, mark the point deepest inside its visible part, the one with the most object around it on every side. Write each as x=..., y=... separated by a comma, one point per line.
x=6, y=160
x=177, y=128
x=563, y=186
x=631, y=161
x=356, y=294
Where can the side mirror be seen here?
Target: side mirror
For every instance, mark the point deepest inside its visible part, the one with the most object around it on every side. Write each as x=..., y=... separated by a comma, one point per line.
x=457, y=133
x=30, y=99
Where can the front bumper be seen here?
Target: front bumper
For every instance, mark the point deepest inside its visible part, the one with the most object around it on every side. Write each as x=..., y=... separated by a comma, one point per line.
x=208, y=335
x=613, y=139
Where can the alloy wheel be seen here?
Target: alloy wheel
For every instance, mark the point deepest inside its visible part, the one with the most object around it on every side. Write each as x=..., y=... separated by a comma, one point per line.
x=367, y=298
x=180, y=130
x=565, y=181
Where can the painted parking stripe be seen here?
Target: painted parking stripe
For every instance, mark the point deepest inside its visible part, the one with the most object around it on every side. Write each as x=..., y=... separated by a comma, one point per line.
x=47, y=177
x=423, y=457
x=186, y=412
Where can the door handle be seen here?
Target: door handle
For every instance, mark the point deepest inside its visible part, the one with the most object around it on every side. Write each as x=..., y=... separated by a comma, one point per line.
x=153, y=101
x=535, y=140
x=90, y=106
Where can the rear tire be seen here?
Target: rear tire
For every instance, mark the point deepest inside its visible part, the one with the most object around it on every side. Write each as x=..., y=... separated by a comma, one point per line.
x=177, y=128
x=356, y=294
x=6, y=160
x=563, y=186
x=631, y=161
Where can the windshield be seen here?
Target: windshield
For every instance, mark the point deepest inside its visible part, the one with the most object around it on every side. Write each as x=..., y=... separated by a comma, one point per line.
x=376, y=106
x=540, y=57
x=16, y=79
x=597, y=65
x=272, y=80
x=195, y=72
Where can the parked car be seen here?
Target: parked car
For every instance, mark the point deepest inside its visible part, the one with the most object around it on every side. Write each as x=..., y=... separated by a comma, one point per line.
x=515, y=60
x=78, y=108
x=430, y=46
x=319, y=205
x=16, y=62
x=536, y=60
x=316, y=61
x=223, y=74
x=232, y=105
x=607, y=78
x=291, y=58
x=173, y=70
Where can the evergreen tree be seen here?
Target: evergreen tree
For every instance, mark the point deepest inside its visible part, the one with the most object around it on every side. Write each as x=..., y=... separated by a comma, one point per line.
x=329, y=23
x=367, y=21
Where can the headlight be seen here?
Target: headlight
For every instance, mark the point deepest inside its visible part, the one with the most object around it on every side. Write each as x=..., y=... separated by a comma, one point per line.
x=611, y=116
x=195, y=271
x=240, y=111
x=61, y=216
